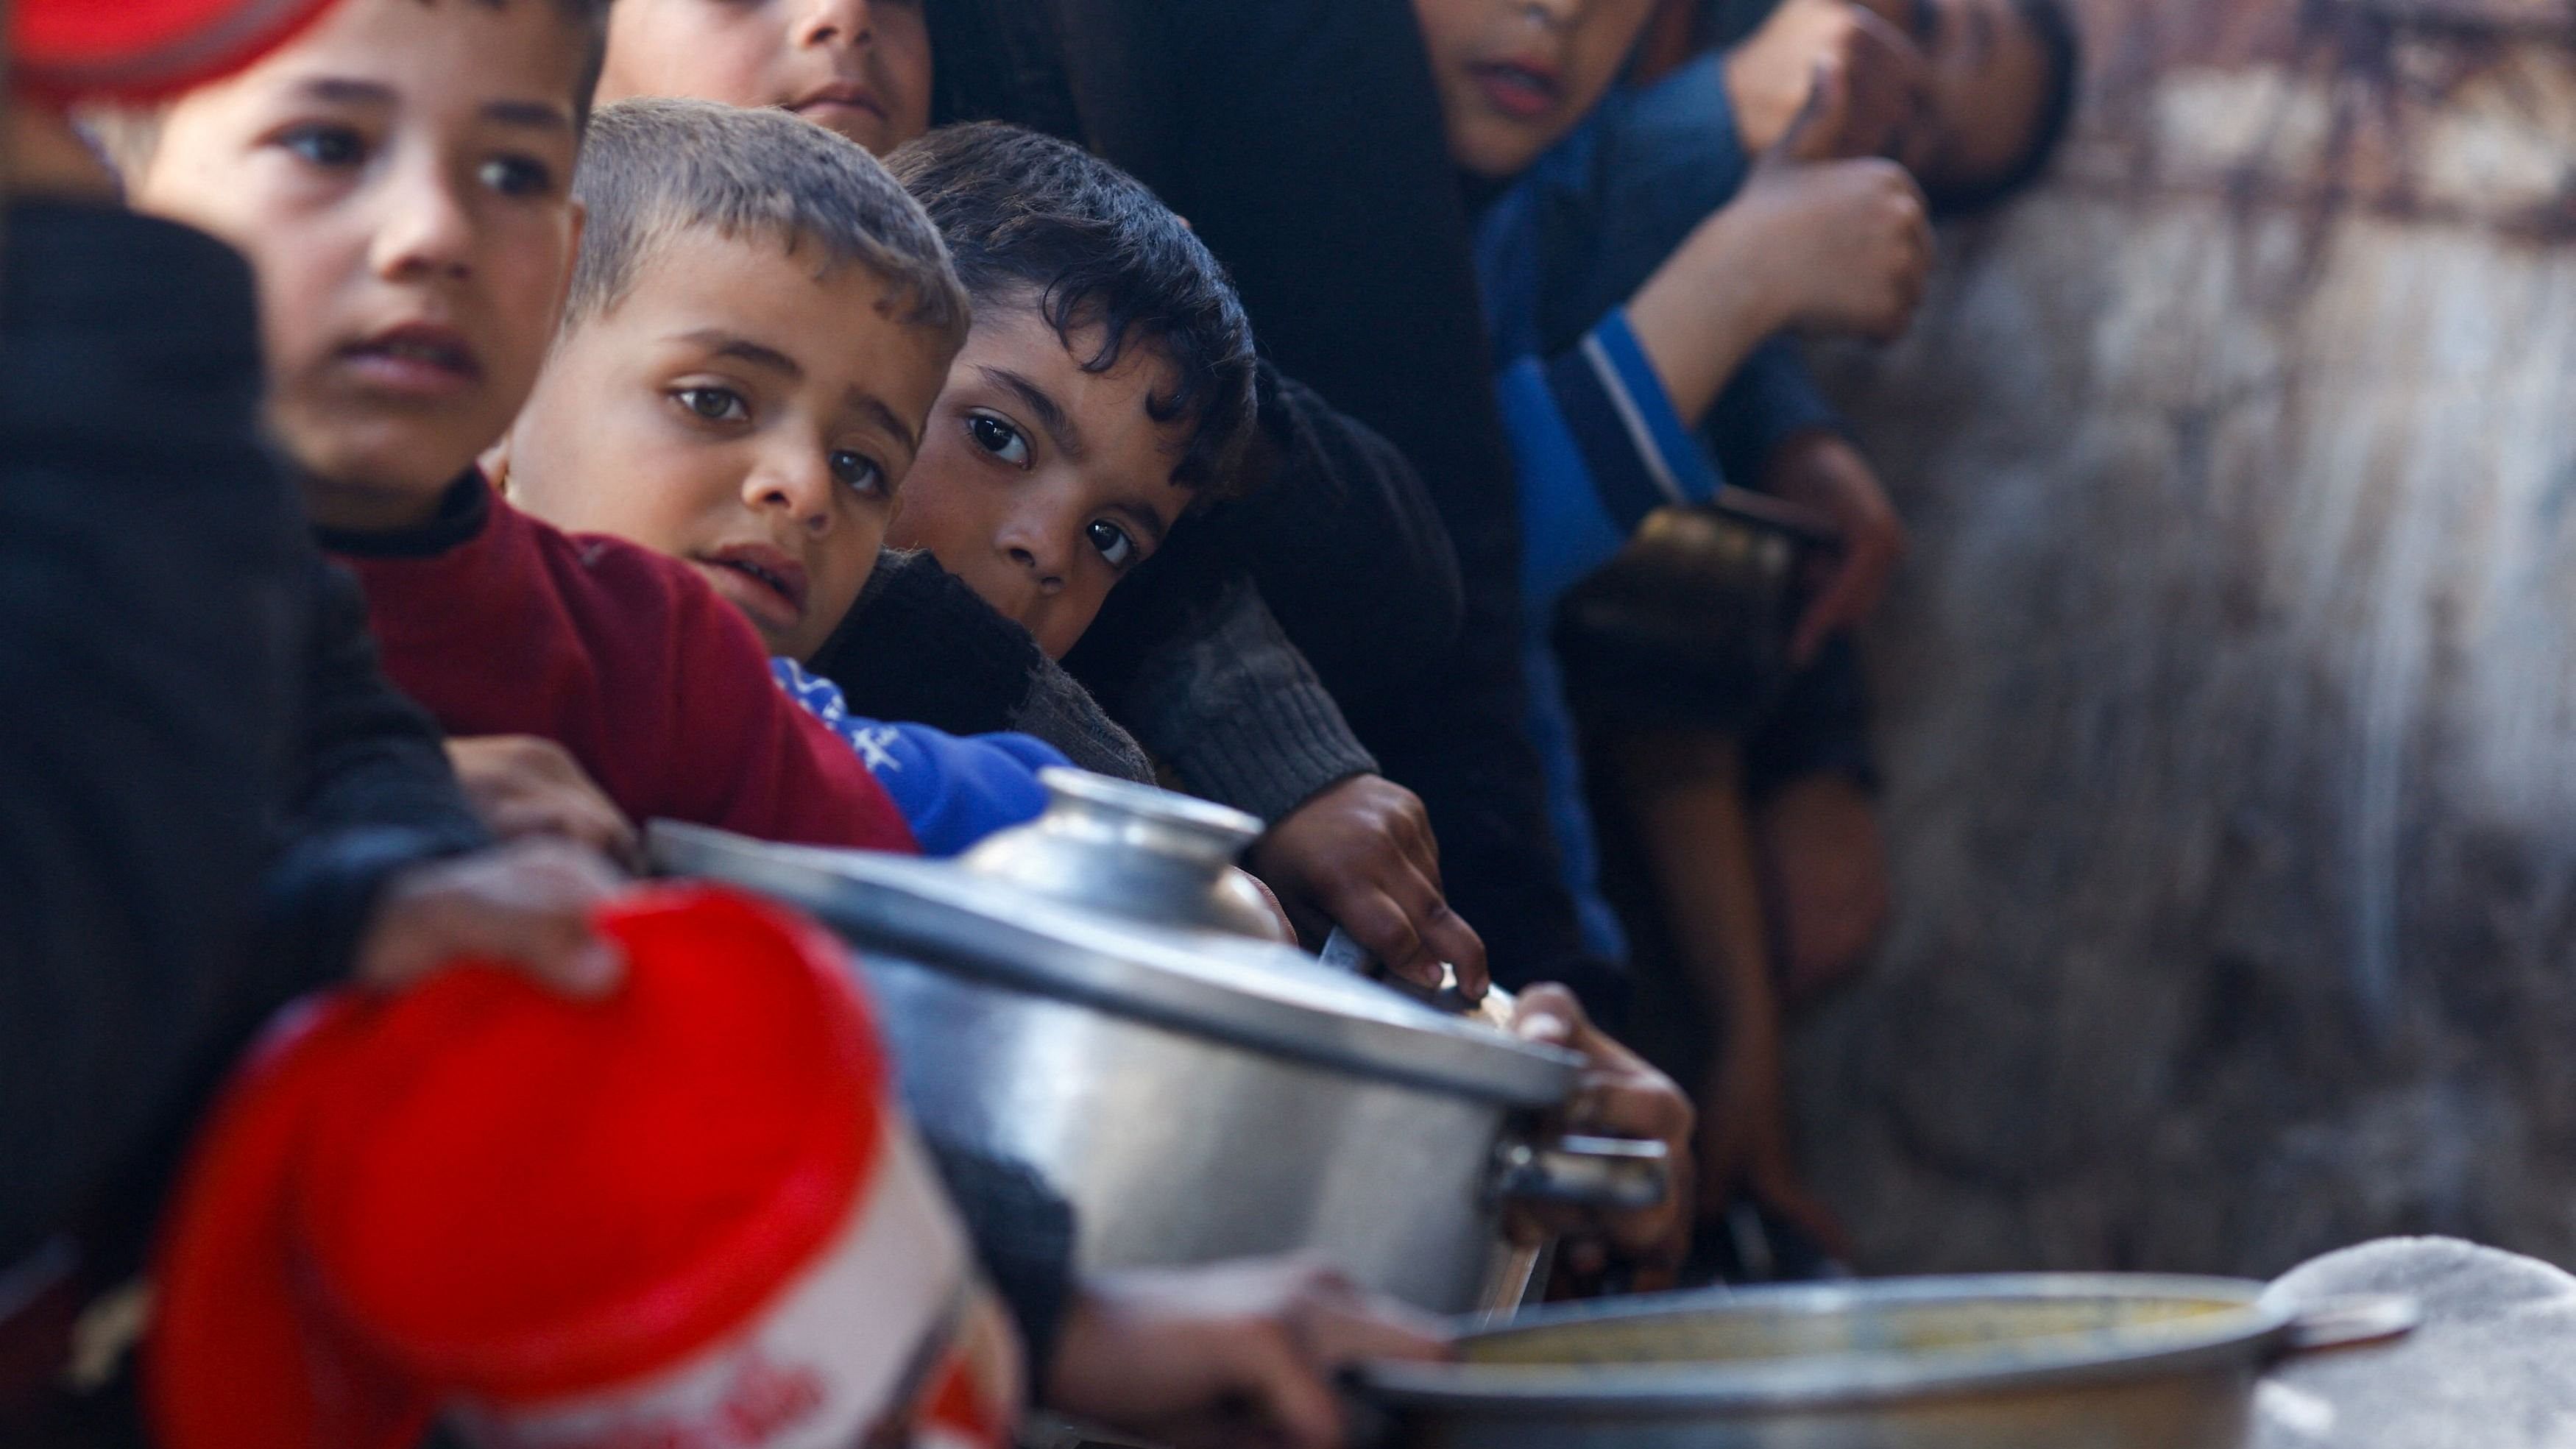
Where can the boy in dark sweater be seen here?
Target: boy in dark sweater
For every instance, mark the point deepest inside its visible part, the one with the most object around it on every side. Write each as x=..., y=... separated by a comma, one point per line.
x=1106, y=392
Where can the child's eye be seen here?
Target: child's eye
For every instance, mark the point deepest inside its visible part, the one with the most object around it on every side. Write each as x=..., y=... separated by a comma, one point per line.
x=1112, y=541
x=998, y=438
x=715, y=404
x=323, y=144
x=518, y=176
x=859, y=471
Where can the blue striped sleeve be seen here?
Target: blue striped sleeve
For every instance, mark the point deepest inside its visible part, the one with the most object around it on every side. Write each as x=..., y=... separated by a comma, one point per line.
x=953, y=790
x=1597, y=447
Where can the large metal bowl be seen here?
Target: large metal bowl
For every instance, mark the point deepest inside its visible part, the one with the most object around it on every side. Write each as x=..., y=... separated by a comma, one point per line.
x=2079, y=1361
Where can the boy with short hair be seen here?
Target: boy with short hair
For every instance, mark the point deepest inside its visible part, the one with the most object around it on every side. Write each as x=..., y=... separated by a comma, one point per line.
x=400, y=177
x=1602, y=416
x=739, y=382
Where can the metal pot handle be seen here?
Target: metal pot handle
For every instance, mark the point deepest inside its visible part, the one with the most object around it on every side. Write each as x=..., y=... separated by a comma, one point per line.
x=2342, y=1322
x=1619, y=1173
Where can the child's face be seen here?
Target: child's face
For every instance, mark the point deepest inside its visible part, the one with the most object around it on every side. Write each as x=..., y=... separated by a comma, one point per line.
x=1989, y=76
x=1515, y=75
x=1040, y=484
x=740, y=412
x=859, y=67
x=398, y=177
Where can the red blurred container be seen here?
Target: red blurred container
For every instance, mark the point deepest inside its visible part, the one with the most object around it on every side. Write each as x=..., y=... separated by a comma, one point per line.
x=142, y=50
x=690, y=1216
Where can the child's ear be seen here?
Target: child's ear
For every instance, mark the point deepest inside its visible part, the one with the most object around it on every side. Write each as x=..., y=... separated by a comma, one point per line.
x=572, y=254
x=495, y=463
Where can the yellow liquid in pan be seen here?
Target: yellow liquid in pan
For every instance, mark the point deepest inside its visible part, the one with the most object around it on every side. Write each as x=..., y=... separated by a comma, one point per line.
x=1717, y=1335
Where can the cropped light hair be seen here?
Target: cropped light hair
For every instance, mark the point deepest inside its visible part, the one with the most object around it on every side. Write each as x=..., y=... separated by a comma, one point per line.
x=653, y=169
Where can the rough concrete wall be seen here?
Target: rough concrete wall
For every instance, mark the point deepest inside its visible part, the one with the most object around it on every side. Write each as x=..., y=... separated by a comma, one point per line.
x=2229, y=699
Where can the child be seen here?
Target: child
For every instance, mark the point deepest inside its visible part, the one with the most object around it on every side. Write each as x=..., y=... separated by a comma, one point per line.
x=858, y=67
x=1981, y=89
x=1105, y=392
x=1601, y=431
x=1236, y=712
x=746, y=359
x=418, y=155
x=400, y=177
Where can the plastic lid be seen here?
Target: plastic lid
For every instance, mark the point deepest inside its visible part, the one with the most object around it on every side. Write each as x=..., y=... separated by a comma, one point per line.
x=144, y=49
x=480, y=1187
x=1256, y=993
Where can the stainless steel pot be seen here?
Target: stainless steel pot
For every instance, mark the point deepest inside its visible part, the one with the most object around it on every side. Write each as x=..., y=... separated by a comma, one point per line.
x=1196, y=1095
x=1132, y=850
x=2071, y=1361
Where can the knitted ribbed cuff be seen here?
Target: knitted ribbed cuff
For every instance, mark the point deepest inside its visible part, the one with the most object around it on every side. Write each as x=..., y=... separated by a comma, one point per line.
x=1271, y=760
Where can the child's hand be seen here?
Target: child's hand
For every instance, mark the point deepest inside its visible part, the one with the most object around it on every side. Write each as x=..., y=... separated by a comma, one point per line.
x=1620, y=1095
x=1362, y=855
x=528, y=903
x=525, y=785
x=1771, y=76
x=1829, y=475
x=1846, y=244
x=1227, y=1354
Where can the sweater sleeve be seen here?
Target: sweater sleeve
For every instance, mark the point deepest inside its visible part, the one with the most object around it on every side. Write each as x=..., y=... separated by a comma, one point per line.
x=149, y=551
x=499, y=623
x=1023, y=1235
x=1336, y=514
x=1231, y=706
x=1597, y=447
x=373, y=794
x=952, y=790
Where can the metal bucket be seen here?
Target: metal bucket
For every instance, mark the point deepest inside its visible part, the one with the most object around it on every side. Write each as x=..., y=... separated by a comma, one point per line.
x=2073, y=1361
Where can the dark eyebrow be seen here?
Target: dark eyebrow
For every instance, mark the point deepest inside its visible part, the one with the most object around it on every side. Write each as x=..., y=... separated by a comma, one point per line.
x=1067, y=438
x=743, y=349
x=885, y=418
x=343, y=92
x=534, y=114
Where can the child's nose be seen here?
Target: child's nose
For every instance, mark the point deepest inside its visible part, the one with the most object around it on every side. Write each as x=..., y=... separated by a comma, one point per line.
x=851, y=22
x=427, y=227
x=803, y=494
x=1030, y=550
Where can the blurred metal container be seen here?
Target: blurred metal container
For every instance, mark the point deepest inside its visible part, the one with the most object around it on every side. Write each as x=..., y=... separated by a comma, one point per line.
x=1690, y=622
x=2042, y=1361
x=1195, y=1094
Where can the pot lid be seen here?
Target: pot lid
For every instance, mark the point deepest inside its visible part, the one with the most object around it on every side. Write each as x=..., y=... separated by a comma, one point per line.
x=1254, y=993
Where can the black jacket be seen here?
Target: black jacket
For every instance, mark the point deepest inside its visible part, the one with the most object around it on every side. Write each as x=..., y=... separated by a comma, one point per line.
x=203, y=778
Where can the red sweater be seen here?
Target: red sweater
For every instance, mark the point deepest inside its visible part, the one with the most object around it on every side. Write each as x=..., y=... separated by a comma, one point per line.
x=499, y=623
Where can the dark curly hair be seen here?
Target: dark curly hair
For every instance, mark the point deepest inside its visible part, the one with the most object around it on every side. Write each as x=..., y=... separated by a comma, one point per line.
x=1034, y=221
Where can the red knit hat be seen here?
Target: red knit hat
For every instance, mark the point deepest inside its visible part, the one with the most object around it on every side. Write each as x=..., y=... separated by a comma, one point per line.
x=480, y=1196
x=142, y=50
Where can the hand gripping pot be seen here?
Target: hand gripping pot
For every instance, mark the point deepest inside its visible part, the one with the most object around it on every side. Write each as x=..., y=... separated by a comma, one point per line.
x=1195, y=1094
x=688, y=1216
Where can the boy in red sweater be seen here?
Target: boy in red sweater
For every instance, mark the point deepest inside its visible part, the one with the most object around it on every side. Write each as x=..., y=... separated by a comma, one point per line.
x=400, y=179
